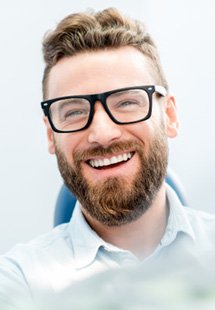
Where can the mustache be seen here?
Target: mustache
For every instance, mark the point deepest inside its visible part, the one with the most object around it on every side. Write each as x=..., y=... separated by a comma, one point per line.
x=117, y=147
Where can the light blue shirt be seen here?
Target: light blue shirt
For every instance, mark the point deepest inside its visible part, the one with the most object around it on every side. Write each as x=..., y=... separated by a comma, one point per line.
x=71, y=252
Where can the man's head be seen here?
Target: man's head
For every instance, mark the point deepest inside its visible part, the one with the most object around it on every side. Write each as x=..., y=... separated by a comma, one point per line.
x=114, y=168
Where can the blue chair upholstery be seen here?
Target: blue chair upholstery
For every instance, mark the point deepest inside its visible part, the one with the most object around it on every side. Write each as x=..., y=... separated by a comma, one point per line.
x=64, y=206
x=66, y=200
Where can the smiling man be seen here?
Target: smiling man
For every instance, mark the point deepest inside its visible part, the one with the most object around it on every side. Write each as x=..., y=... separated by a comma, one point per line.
x=108, y=114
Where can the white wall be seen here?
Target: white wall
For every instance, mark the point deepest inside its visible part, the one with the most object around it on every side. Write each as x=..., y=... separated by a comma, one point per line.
x=184, y=32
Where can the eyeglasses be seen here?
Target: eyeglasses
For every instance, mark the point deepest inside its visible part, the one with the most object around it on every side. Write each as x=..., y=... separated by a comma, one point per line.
x=124, y=106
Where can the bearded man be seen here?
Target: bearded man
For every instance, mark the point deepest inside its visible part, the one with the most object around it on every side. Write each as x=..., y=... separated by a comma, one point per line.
x=108, y=114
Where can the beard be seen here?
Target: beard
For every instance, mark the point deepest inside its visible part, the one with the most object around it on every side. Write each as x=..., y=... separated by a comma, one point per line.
x=117, y=200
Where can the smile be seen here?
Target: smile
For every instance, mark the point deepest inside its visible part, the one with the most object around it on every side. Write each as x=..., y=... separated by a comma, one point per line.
x=97, y=163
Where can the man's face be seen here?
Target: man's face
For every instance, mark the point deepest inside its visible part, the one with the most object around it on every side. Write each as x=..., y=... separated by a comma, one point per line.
x=119, y=192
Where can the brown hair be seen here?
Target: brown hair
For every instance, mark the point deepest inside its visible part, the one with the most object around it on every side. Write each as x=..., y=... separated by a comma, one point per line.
x=92, y=31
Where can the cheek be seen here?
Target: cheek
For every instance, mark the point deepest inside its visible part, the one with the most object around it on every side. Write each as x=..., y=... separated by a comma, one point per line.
x=158, y=120
x=143, y=131
x=149, y=131
x=68, y=143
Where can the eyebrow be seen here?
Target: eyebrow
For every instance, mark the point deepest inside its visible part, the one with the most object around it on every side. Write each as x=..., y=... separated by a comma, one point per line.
x=120, y=93
x=67, y=101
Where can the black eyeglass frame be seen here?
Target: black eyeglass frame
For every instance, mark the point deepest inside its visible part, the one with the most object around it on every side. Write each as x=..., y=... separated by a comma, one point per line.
x=101, y=97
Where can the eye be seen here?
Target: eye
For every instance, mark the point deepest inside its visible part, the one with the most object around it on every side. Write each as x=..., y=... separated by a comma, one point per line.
x=70, y=110
x=127, y=103
x=73, y=113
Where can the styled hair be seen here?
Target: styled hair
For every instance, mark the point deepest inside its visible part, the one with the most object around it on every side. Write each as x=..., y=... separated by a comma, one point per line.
x=93, y=31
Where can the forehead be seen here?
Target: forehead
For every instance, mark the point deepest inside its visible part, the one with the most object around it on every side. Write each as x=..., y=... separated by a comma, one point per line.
x=99, y=71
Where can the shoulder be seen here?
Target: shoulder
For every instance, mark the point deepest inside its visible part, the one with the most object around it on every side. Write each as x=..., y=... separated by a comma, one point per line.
x=199, y=217
x=45, y=245
x=38, y=261
x=202, y=223
x=199, y=223
x=59, y=233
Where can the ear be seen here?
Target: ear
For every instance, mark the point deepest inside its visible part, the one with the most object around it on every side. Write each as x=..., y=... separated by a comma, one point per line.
x=172, y=123
x=50, y=136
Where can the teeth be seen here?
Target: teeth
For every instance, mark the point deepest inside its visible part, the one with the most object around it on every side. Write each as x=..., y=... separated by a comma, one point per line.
x=125, y=157
x=110, y=161
x=106, y=162
x=113, y=160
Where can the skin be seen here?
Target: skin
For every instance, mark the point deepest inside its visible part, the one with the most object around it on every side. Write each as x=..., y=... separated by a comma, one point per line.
x=101, y=71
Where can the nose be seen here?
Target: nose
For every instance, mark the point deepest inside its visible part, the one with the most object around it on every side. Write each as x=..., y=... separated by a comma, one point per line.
x=103, y=130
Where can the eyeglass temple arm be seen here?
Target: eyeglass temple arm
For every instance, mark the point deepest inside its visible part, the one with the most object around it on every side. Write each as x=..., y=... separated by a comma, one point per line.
x=161, y=90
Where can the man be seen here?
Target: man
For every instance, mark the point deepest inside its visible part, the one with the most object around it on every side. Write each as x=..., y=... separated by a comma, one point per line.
x=108, y=114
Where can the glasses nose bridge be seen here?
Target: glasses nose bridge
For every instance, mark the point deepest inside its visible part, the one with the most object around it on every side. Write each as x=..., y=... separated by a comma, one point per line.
x=101, y=98
x=98, y=97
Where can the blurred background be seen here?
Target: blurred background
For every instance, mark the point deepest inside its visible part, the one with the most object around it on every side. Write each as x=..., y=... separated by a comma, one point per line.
x=29, y=178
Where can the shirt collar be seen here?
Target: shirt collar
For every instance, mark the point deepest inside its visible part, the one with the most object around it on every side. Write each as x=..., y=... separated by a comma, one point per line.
x=85, y=240
x=178, y=220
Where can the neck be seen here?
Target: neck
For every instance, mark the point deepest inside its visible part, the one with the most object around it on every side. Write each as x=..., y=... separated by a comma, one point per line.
x=142, y=236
